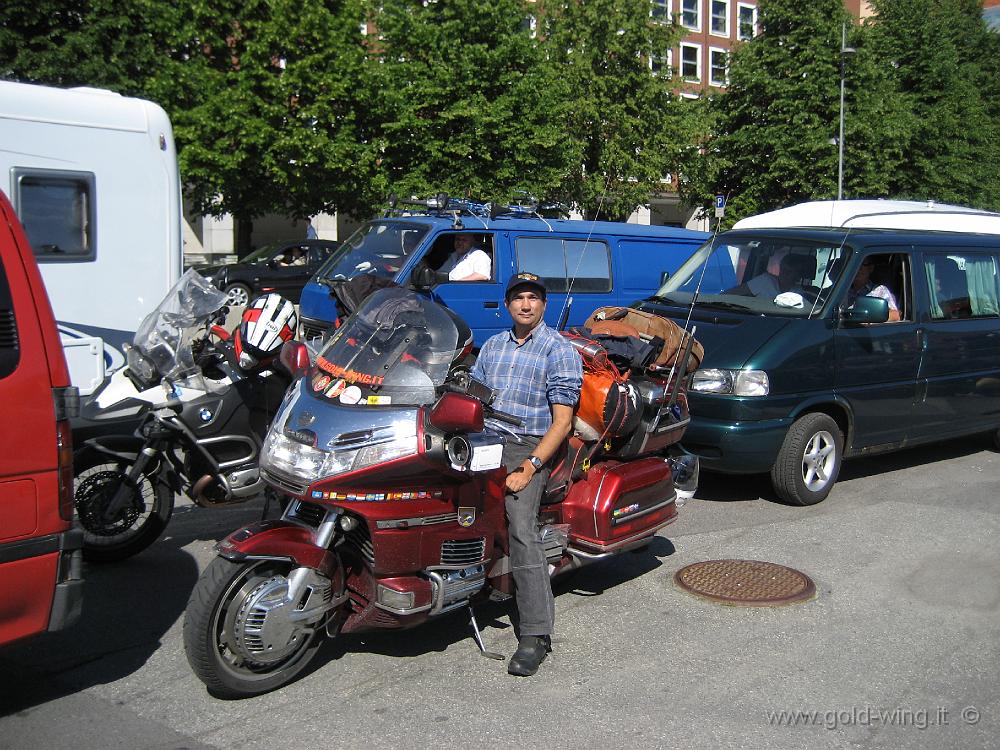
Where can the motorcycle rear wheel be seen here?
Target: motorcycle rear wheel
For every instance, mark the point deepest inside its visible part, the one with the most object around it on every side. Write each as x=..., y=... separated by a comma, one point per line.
x=233, y=660
x=98, y=476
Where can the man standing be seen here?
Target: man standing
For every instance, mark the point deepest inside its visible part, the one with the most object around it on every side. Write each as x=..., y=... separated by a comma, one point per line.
x=467, y=262
x=537, y=377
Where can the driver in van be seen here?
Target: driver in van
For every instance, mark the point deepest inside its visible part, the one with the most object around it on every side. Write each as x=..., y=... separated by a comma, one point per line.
x=783, y=273
x=467, y=262
x=863, y=286
x=537, y=376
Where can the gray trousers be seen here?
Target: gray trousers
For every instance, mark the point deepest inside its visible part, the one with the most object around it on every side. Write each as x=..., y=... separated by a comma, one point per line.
x=532, y=585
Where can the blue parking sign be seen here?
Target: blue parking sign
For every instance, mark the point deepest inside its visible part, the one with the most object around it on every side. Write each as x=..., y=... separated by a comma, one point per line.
x=720, y=201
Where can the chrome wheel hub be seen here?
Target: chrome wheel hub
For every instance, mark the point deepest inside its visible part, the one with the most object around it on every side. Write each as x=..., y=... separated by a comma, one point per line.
x=819, y=461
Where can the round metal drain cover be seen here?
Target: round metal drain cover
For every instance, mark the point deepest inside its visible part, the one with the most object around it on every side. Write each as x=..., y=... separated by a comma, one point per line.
x=745, y=583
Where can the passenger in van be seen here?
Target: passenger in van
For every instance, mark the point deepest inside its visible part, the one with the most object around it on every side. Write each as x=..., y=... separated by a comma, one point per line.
x=863, y=286
x=784, y=271
x=467, y=262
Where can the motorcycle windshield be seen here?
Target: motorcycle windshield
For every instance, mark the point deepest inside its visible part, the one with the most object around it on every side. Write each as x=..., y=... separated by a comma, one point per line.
x=396, y=349
x=164, y=336
x=380, y=248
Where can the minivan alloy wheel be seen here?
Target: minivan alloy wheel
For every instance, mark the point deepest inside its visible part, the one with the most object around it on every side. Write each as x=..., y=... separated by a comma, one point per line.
x=809, y=460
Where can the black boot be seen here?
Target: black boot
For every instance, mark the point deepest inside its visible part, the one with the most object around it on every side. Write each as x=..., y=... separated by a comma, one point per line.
x=531, y=649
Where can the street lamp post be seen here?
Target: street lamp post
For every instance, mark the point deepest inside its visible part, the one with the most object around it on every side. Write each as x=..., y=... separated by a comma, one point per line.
x=844, y=52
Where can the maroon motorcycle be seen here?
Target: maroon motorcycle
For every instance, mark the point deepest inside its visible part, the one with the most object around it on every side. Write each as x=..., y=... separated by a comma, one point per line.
x=391, y=457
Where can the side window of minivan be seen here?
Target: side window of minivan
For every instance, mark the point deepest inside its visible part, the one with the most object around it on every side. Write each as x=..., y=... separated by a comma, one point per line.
x=586, y=264
x=886, y=276
x=962, y=285
x=9, y=347
x=57, y=211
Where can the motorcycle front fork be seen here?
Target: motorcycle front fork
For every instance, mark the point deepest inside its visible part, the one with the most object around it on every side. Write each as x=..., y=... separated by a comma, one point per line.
x=126, y=495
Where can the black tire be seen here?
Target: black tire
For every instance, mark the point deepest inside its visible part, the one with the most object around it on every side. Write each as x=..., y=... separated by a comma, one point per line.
x=809, y=460
x=995, y=438
x=224, y=592
x=96, y=478
x=237, y=295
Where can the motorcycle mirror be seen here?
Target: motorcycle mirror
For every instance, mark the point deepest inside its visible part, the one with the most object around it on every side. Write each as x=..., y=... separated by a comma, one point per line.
x=295, y=358
x=455, y=412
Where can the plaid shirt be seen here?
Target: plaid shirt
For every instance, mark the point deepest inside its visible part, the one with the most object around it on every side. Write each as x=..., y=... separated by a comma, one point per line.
x=544, y=370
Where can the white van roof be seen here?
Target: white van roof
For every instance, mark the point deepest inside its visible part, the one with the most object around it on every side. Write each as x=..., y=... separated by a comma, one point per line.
x=878, y=214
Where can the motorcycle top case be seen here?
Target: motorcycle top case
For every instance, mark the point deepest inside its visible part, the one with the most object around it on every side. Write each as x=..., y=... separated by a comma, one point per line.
x=619, y=502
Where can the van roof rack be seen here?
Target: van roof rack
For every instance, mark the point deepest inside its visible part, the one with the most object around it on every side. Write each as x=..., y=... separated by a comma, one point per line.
x=443, y=205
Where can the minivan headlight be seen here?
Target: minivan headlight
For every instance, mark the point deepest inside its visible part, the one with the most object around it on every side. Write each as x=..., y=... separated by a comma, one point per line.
x=731, y=382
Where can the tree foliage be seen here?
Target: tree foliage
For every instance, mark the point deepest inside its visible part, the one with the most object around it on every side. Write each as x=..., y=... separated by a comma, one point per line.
x=775, y=128
x=628, y=125
x=465, y=104
x=943, y=60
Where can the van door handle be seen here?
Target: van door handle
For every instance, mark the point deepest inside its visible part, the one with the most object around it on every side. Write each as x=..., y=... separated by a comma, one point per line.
x=491, y=305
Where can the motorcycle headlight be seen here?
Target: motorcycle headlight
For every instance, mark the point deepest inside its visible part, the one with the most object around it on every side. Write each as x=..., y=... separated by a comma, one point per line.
x=307, y=463
x=731, y=382
x=141, y=366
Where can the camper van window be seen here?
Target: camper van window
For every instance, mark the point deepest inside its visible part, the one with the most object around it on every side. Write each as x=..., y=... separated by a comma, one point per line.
x=587, y=264
x=962, y=285
x=57, y=211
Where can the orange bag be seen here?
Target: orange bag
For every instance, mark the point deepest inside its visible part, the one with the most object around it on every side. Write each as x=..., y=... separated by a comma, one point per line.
x=648, y=326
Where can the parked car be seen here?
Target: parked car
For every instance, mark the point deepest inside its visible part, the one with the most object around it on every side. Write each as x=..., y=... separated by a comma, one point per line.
x=839, y=329
x=41, y=586
x=273, y=268
x=594, y=264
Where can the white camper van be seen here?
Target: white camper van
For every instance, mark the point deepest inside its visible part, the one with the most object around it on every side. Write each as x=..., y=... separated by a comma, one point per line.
x=93, y=178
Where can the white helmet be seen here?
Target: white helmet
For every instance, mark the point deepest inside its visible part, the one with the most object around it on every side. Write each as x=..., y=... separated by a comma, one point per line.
x=268, y=322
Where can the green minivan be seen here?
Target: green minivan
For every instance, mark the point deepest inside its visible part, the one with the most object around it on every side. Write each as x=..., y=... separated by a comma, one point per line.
x=848, y=339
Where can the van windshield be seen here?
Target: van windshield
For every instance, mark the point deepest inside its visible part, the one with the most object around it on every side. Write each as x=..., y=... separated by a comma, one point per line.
x=380, y=248
x=762, y=275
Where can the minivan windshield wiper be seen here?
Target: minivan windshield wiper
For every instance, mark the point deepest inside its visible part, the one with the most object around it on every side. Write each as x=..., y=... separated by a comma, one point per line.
x=723, y=305
x=666, y=300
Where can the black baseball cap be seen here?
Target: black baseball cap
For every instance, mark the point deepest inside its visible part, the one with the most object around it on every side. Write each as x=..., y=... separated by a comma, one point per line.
x=524, y=279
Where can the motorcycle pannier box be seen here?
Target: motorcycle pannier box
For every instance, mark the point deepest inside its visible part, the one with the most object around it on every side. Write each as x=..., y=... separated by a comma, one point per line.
x=619, y=503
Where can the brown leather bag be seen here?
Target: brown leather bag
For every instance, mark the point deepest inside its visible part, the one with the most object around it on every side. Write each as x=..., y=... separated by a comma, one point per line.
x=649, y=326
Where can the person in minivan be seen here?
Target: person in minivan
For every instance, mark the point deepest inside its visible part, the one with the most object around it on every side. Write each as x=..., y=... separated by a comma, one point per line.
x=863, y=286
x=467, y=262
x=784, y=271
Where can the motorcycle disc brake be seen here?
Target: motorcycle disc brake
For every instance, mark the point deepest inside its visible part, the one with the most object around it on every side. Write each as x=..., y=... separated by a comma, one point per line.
x=93, y=496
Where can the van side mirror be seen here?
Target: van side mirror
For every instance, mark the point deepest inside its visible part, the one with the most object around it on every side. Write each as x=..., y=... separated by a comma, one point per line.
x=424, y=277
x=294, y=357
x=866, y=310
x=664, y=277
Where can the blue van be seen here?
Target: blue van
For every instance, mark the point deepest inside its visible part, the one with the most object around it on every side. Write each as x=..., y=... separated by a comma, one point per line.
x=836, y=329
x=592, y=263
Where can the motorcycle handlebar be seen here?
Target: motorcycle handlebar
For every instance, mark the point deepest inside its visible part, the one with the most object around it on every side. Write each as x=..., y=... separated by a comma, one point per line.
x=502, y=416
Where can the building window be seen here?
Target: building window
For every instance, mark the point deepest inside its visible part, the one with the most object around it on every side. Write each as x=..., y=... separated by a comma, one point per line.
x=691, y=62
x=720, y=17
x=660, y=10
x=58, y=213
x=718, y=61
x=661, y=64
x=691, y=14
x=747, y=23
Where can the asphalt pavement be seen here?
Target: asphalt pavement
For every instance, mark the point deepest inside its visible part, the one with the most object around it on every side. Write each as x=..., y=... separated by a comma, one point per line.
x=900, y=647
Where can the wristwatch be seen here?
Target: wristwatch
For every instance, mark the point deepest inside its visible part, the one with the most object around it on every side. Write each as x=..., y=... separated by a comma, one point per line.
x=536, y=462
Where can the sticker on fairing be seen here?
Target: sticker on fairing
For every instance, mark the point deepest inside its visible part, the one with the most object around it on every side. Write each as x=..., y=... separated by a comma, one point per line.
x=378, y=400
x=351, y=395
x=485, y=457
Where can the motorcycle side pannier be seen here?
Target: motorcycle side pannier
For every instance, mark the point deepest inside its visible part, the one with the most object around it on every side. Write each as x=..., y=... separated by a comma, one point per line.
x=618, y=503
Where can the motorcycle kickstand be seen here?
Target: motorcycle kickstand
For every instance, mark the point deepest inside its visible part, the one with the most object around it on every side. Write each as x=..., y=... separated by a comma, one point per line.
x=479, y=638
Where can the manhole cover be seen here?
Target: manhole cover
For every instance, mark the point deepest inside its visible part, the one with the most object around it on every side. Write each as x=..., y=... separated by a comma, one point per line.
x=745, y=583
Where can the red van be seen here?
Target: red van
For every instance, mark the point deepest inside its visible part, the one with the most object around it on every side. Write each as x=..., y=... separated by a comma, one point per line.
x=40, y=560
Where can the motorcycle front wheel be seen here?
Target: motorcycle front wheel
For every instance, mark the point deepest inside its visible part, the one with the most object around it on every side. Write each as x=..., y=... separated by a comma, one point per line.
x=238, y=637
x=97, y=478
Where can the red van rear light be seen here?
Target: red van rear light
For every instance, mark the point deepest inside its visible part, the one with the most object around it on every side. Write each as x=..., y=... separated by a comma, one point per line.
x=64, y=448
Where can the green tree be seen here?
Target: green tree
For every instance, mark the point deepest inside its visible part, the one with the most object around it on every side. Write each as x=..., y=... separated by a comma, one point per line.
x=265, y=107
x=775, y=126
x=463, y=104
x=944, y=61
x=629, y=126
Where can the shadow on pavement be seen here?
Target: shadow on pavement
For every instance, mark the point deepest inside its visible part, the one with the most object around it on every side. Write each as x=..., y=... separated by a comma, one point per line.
x=127, y=608
x=440, y=633
x=731, y=488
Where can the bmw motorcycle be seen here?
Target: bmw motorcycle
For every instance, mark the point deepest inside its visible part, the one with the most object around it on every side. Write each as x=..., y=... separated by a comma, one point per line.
x=391, y=454
x=203, y=398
